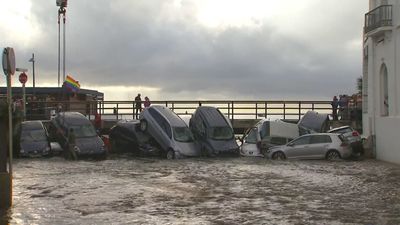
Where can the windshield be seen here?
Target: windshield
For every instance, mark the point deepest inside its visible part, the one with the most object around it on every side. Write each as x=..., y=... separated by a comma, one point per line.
x=33, y=135
x=221, y=133
x=183, y=134
x=86, y=130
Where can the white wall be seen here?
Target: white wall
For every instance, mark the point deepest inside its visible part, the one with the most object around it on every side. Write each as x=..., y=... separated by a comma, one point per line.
x=384, y=49
x=388, y=139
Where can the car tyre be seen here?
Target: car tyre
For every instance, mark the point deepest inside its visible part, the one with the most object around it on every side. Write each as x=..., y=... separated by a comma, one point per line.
x=170, y=154
x=332, y=155
x=143, y=125
x=278, y=156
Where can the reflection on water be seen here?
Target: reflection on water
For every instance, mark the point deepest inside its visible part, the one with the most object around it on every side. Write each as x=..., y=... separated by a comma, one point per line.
x=126, y=190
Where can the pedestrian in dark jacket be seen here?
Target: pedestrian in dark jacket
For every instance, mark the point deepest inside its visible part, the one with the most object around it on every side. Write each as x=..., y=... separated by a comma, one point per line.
x=138, y=106
x=71, y=154
x=335, y=104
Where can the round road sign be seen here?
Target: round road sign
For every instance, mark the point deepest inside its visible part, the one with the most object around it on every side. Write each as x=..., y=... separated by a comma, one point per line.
x=23, y=78
x=8, y=61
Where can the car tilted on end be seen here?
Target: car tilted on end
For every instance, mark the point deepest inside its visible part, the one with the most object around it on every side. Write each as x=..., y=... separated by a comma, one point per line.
x=88, y=143
x=213, y=131
x=33, y=139
x=170, y=132
x=328, y=146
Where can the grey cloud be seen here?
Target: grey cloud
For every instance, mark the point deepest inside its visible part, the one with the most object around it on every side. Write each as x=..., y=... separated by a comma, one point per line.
x=150, y=43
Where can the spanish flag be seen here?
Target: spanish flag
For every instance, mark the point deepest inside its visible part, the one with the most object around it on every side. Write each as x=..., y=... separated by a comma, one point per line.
x=71, y=84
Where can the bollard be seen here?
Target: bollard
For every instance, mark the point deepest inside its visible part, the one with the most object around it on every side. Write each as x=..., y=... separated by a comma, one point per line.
x=5, y=190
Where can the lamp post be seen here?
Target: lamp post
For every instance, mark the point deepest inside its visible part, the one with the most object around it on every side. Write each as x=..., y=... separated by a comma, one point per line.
x=32, y=60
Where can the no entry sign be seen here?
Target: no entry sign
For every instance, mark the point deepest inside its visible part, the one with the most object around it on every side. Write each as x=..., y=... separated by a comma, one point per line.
x=23, y=78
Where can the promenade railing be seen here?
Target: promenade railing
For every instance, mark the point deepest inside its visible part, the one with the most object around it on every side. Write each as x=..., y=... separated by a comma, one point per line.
x=247, y=109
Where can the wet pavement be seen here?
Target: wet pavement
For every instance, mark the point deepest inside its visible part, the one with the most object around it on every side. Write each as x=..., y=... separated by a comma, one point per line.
x=127, y=190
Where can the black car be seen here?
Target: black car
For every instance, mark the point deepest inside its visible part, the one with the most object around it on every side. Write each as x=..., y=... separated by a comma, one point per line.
x=126, y=136
x=88, y=143
x=33, y=140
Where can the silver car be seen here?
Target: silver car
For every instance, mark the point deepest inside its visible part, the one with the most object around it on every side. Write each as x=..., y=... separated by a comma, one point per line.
x=169, y=131
x=328, y=146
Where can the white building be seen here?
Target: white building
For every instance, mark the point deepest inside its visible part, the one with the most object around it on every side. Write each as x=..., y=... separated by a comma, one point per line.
x=381, y=78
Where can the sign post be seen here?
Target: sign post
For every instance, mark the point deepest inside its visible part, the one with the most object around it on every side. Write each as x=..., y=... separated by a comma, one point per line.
x=8, y=61
x=23, y=78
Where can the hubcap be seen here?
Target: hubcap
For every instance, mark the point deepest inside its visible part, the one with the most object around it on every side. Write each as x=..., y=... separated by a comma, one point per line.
x=333, y=155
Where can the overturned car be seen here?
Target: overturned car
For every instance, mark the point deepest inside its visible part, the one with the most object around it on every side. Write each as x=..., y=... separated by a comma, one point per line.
x=213, y=132
x=169, y=131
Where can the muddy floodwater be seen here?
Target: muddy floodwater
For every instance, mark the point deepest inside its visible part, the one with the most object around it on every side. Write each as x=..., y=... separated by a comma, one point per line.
x=128, y=190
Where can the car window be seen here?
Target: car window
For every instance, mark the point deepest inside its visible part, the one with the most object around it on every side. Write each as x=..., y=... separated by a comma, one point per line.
x=85, y=130
x=317, y=139
x=33, y=135
x=302, y=141
x=278, y=140
x=183, y=134
x=251, y=137
x=221, y=133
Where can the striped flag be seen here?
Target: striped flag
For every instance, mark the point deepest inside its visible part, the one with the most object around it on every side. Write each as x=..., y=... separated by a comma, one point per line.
x=71, y=84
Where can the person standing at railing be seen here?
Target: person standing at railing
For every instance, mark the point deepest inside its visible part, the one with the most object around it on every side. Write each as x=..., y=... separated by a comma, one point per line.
x=335, y=104
x=138, y=106
x=147, y=102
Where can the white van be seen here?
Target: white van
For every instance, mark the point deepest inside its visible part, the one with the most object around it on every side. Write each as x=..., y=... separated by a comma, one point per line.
x=265, y=134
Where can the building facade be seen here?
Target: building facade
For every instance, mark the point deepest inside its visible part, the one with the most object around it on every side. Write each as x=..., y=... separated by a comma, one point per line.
x=381, y=78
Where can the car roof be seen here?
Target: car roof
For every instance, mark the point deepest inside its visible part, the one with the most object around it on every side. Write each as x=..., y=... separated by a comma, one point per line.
x=173, y=119
x=73, y=118
x=213, y=116
x=32, y=125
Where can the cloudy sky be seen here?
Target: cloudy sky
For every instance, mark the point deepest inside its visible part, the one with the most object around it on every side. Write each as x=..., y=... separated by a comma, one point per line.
x=193, y=49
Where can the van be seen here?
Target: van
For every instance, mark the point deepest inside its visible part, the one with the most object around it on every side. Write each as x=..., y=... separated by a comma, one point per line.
x=88, y=143
x=265, y=134
x=213, y=131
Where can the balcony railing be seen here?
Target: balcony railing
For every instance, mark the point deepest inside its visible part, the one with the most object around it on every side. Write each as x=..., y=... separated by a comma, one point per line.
x=379, y=17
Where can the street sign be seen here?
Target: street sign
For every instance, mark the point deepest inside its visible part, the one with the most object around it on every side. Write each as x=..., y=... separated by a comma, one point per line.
x=23, y=78
x=8, y=61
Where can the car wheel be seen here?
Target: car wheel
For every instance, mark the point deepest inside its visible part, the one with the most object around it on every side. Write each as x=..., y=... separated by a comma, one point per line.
x=332, y=155
x=170, y=154
x=278, y=156
x=143, y=125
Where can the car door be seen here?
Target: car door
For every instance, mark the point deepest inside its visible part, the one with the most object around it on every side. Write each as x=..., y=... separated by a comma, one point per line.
x=318, y=146
x=250, y=139
x=298, y=148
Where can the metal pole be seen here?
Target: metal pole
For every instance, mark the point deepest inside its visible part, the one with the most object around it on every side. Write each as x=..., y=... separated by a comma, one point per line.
x=24, y=101
x=33, y=73
x=10, y=130
x=59, y=46
x=64, y=45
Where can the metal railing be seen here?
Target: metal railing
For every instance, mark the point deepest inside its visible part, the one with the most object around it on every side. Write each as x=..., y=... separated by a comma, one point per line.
x=116, y=110
x=378, y=17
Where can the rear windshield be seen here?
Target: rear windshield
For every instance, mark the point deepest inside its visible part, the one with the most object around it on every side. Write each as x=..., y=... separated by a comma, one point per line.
x=342, y=131
x=221, y=133
x=183, y=134
x=82, y=131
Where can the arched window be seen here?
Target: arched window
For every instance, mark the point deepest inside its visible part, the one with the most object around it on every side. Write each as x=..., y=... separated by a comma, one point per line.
x=384, y=91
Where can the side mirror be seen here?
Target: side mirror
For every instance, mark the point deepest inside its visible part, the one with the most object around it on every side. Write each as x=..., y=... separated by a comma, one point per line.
x=290, y=144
